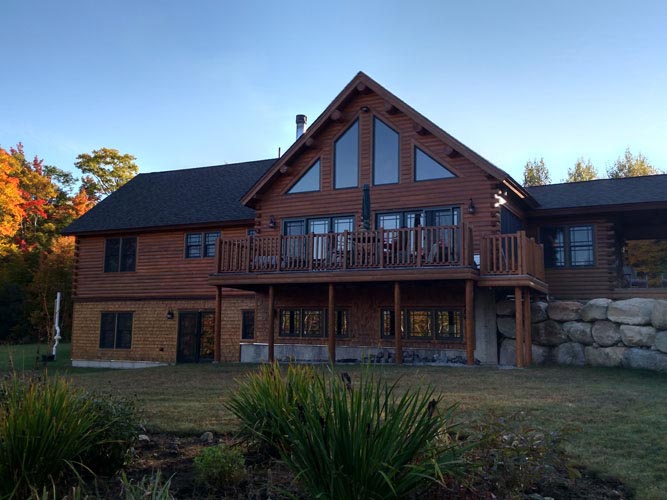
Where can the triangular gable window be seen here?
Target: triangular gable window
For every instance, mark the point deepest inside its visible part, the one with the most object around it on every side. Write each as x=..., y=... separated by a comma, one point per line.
x=310, y=181
x=426, y=168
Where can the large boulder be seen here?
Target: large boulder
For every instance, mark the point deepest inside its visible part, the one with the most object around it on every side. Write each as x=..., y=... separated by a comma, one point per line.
x=570, y=353
x=541, y=354
x=505, y=308
x=538, y=311
x=565, y=311
x=645, y=359
x=631, y=311
x=549, y=333
x=507, y=352
x=507, y=326
x=638, y=336
x=606, y=333
x=579, y=332
x=595, y=309
x=659, y=314
x=604, y=356
x=661, y=341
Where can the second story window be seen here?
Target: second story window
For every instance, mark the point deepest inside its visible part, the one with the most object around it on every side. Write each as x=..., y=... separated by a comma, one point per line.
x=427, y=168
x=120, y=255
x=385, y=153
x=310, y=181
x=346, y=158
x=200, y=244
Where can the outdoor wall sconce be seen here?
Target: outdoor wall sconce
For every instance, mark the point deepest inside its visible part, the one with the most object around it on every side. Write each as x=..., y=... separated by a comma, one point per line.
x=471, y=207
x=272, y=222
x=170, y=313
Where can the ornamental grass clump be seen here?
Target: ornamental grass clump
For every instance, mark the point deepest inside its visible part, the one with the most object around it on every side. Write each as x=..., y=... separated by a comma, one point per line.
x=49, y=430
x=363, y=440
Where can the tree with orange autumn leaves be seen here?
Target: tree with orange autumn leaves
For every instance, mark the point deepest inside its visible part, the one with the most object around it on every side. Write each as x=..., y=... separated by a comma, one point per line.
x=36, y=202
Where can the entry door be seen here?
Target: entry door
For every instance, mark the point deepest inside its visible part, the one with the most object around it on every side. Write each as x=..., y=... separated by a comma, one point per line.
x=195, y=336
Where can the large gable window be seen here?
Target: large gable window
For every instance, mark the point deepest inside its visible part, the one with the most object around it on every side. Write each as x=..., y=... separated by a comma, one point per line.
x=426, y=168
x=120, y=255
x=385, y=153
x=346, y=158
x=310, y=181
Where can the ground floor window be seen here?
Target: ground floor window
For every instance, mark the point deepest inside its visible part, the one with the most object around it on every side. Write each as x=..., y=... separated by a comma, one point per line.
x=424, y=323
x=247, y=325
x=311, y=322
x=116, y=330
x=568, y=246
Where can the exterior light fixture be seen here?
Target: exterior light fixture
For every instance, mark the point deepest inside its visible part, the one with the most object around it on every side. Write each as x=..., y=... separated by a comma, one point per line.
x=471, y=207
x=272, y=222
x=170, y=313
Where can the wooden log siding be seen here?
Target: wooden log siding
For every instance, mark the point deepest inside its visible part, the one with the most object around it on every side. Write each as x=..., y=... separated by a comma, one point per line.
x=161, y=269
x=397, y=248
x=471, y=182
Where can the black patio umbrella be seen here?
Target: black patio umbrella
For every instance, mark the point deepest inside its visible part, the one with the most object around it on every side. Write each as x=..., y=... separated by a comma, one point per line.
x=366, y=207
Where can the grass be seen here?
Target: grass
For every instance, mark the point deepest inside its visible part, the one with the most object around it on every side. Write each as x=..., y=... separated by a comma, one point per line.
x=616, y=418
x=28, y=356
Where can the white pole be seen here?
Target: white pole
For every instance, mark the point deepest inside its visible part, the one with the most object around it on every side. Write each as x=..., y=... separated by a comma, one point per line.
x=56, y=322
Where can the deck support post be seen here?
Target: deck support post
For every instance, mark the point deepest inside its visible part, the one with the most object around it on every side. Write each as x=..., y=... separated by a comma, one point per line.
x=331, y=325
x=271, y=323
x=527, y=328
x=398, y=339
x=470, y=323
x=217, y=329
x=518, y=315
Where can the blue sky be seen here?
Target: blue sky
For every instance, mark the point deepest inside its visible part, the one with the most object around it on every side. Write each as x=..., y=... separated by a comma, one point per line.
x=185, y=84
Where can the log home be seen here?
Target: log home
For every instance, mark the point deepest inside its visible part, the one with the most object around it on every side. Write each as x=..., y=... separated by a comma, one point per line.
x=377, y=236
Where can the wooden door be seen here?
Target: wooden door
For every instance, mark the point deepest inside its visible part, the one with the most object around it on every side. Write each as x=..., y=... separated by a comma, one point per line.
x=195, y=336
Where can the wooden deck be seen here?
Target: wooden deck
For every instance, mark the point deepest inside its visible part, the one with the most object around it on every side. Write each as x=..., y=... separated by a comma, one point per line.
x=420, y=253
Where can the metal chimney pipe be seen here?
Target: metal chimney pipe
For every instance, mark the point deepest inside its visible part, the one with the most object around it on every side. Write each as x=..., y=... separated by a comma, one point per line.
x=301, y=121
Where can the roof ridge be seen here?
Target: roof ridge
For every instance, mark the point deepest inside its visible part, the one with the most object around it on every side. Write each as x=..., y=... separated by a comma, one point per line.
x=595, y=180
x=207, y=166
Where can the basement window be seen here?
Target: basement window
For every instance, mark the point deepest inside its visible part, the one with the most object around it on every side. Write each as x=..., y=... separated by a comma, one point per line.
x=116, y=330
x=311, y=322
x=248, y=324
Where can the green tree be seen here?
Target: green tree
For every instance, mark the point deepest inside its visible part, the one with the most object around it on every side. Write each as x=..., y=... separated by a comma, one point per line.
x=535, y=173
x=630, y=165
x=105, y=170
x=582, y=171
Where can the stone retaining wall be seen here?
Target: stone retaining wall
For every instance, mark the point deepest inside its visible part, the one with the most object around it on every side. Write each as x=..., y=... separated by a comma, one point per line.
x=630, y=333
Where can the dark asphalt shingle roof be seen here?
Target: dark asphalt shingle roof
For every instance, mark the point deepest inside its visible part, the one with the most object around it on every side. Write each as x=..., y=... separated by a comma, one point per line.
x=190, y=196
x=629, y=190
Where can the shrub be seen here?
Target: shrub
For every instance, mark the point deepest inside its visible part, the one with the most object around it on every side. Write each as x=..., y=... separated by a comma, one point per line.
x=267, y=400
x=347, y=441
x=149, y=487
x=49, y=428
x=220, y=466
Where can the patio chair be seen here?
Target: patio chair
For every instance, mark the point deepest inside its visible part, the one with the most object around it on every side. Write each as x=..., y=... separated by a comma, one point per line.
x=632, y=279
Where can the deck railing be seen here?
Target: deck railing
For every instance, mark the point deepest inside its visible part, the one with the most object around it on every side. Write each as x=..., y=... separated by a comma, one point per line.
x=382, y=248
x=511, y=254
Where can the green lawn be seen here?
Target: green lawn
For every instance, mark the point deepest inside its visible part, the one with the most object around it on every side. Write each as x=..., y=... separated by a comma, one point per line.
x=616, y=420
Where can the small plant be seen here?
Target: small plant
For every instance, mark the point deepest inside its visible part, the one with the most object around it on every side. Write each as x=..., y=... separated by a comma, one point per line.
x=220, y=466
x=151, y=487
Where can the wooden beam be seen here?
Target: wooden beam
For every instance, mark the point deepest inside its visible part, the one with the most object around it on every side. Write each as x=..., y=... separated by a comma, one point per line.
x=518, y=316
x=331, y=326
x=284, y=169
x=449, y=151
x=362, y=88
x=271, y=323
x=217, y=329
x=398, y=340
x=310, y=142
x=389, y=108
x=336, y=115
x=419, y=129
x=470, y=322
x=527, y=326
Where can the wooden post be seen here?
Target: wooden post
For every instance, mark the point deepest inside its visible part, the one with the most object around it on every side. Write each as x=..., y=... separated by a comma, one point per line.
x=217, y=329
x=527, y=327
x=398, y=340
x=470, y=322
x=331, y=320
x=518, y=315
x=271, y=323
